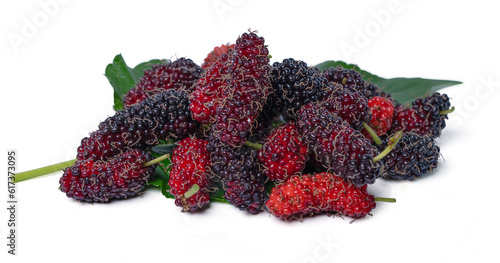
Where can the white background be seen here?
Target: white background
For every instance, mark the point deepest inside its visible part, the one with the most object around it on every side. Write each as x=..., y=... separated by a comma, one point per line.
x=54, y=93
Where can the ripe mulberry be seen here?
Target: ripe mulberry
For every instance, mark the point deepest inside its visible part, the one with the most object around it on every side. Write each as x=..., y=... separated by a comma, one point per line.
x=245, y=92
x=307, y=195
x=119, y=177
x=350, y=79
x=352, y=107
x=427, y=116
x=337, y=146
x=240, y=174
x=413, y=156
x=190, y=166
x=295, y=85
x=160, y=117
x=180, y=74
x=284, y=153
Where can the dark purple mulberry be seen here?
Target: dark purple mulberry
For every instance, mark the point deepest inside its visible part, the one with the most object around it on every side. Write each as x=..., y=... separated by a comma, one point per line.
x=240, y=173
x=160, y=117
x=352, y=107
x=413, y=156
x=337, y=146
x=295, y=85
x=119, y=177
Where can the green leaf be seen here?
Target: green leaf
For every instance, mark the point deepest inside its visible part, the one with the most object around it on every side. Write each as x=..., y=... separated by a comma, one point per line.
x=161, y=176
x=403, y=90
x=122, y=78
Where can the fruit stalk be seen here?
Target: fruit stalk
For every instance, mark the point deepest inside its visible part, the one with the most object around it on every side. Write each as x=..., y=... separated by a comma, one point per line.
x=392, y=143
x=374, y=135
x=23, y=176
x=43, y=171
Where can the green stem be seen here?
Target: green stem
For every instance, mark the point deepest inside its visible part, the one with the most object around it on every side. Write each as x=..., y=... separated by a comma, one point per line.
x=43, y=171
x=374, y=135
x=157, y=160
x=385, y=199
x=254, y=145
x=444, y=112
x=392, y=143
x=193, y=190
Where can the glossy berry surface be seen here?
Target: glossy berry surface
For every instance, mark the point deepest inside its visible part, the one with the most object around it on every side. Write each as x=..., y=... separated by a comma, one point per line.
x=424, y=116
x=414, y=155
x=179, y=74
x=311, y=194
x=190, y=166
x=350, y=79
x=120, y=177
x=337, y=146
x=295, y=84
x=284, y=152
x=161, y=117
x=245, y=91
x=240, y=175
x=352, y=107
x=382, y=111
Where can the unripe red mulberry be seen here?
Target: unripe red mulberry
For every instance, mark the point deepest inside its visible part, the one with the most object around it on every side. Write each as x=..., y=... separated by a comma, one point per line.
x=190, y=166
x=307, y=195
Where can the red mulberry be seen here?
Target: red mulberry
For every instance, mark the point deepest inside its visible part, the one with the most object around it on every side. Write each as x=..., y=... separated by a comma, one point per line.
x=190, y=166
x=215, y=54
x=426, y=116
x=318, y=193
x=284, y=153
x=180, y=74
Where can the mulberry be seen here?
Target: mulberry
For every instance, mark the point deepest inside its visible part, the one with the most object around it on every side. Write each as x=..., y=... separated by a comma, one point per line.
x=180, y=74
x=240, y=173
x=337, y=146
x=160, y=117
x=215, y=54
x=120, y=177
x=427, y=116
x=190, y=167
x=382, y=114
x=350, y=79
x=245, y=92
x=413, y=156
x=284, y=153
x=352, y=107
x=295, y=85
x=318, y=193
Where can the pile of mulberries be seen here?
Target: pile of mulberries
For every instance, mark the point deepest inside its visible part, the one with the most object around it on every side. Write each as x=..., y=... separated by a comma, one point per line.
x=285, y=138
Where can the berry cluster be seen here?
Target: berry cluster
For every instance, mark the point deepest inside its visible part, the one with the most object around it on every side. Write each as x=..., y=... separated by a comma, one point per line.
x=241, y=126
